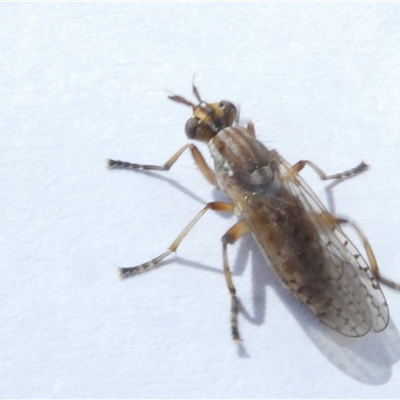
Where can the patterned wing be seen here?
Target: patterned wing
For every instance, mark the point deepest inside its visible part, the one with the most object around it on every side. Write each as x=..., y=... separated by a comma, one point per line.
x=313, y=256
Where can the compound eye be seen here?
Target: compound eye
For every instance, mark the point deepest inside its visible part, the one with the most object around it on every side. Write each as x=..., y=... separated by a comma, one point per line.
x=191, y=127
x=228, y=107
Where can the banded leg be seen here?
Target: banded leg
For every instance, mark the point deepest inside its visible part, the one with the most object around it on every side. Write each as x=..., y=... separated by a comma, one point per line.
x=231, y=236
x=296, y=168
x=207, y=172
x=370, y=254
x=333, y=221
x=216, y=206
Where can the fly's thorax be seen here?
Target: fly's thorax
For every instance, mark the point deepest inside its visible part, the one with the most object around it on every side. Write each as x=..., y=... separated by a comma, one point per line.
x=242, y=160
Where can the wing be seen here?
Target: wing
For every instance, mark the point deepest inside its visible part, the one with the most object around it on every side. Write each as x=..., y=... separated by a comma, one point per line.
x=310, y=252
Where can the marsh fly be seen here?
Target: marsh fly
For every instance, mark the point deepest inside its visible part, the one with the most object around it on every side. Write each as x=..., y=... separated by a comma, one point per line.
x=302, y=241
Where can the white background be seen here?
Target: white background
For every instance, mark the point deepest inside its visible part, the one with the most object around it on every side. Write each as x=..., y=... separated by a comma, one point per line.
x=83, y=82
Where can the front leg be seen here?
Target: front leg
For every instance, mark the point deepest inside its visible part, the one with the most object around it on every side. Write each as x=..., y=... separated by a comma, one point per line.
x=296, y=168
x=207, y=172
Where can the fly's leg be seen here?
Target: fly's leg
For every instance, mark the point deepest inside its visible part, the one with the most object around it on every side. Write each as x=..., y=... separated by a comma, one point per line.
x=216, y=206
x=370, y=254
x=296, y=168
x=231, y=236
x=207, y=172
x=251, y=129
x=334, y=221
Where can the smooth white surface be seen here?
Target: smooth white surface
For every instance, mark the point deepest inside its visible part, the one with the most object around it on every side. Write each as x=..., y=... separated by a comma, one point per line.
x=83, y=82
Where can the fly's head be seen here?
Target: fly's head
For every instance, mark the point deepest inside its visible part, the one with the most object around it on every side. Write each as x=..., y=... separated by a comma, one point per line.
x=208, y=118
